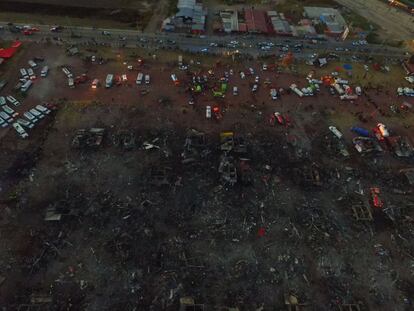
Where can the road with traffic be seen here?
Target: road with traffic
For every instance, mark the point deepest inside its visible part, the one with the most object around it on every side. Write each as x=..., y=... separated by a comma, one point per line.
x=245, y=44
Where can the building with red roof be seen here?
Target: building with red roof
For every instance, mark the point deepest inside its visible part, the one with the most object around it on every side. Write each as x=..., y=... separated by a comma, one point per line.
x=256, y=21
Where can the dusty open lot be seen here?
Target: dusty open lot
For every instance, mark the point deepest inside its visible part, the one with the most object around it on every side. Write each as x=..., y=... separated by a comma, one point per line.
x=142, y=227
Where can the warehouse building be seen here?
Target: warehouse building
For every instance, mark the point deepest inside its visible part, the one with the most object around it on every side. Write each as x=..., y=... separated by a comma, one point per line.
x=280, y=25
x=332, y=18
x=191, y=17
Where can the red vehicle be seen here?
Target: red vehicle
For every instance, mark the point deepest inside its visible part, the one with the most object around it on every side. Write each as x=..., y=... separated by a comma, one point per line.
x=375, y=197
x=278, y=117
x=81, y=79
x=27, y=32
x=217, y=113
x=118, y=80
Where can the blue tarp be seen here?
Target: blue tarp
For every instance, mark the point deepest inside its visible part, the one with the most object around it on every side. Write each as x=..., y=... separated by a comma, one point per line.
x=347, y=66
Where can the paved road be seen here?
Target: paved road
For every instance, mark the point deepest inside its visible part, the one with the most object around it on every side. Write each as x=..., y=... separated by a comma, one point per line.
x=394, y=23
x=246, y=44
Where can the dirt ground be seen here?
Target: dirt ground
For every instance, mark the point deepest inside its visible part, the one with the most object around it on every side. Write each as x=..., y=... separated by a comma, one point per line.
x=127, y=241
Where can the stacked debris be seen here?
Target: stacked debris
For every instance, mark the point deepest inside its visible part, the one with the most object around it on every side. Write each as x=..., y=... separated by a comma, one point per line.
x=91, y=138
x=124, y=139
x=195, y=147
x=401, y=146
x=231, y=160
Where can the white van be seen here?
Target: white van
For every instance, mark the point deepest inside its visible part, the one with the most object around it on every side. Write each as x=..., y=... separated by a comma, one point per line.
x=235, y=91
x=32, y=64
x=71, y=83
x=336, y=132
x=67, y=72
x=26, y=86
x=208, y=112
x=31, y=74
x=147, y=79
x=139, y=78
x=12, y=100
x=44, y=72
x=23, y=73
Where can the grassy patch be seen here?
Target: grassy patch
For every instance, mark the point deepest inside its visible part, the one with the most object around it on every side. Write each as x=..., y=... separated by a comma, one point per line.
x=358, y=21
x=293, y=9
x=42, y=19
x=172, y=7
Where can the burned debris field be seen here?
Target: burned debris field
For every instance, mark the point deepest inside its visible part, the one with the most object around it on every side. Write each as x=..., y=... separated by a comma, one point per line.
x=167, y=195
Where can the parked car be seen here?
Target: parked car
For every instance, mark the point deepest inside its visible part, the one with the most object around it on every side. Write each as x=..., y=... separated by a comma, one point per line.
x=279, y=118
x=31, y=74
x=336, y=132
x=23, y=73
x=36, y=113
x=32, y=64
x=5, y=116
x=3, y=123
x=25, y=123
x=208, y=112
x=43, y=109
x=95, y=83
x=10, y=111
x=273, y=94
x=12, y=100
x=20, y=130
x=44, y=72
x=30, y=117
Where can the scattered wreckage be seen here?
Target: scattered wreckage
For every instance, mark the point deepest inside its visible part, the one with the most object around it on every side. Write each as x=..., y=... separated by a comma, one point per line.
x=88, y=138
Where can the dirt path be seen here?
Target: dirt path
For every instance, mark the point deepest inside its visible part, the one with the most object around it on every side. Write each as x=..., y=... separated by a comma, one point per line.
x=159, y=14
x=394, y=23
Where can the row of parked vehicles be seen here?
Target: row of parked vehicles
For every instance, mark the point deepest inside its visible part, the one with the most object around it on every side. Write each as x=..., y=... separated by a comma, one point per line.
x=32, y=116
x=28, y=75
x=141, y=78
x=8, y=115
